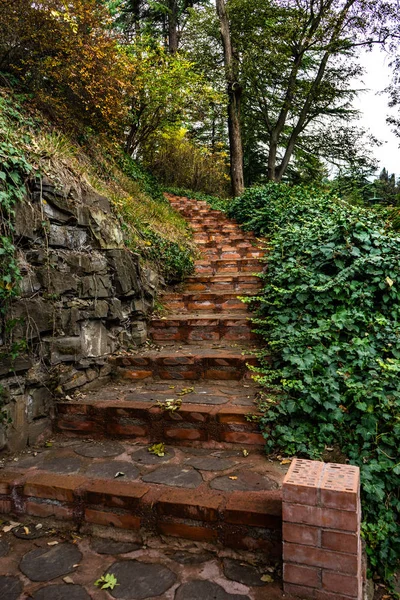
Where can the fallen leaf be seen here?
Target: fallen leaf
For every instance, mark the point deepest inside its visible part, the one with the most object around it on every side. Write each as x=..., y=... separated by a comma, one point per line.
x=286, y=461
x=233, y=477
x=267, y=578
x=27, y=531
x=119, y=474
x=389, y=281
x=52, y=543
x=38, y=526
x=77, y=565
x=68, y=580
x=245, y=452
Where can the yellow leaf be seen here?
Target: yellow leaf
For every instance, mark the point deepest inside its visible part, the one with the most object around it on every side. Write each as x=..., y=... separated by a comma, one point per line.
x=389, y=281
x=245, y=452
x=267, y=578
x=233, y=477
x=286, y=461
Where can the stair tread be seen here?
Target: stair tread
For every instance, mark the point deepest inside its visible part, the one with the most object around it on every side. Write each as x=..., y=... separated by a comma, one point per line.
x=185, y=475
x=221, y=351
x=228, y=316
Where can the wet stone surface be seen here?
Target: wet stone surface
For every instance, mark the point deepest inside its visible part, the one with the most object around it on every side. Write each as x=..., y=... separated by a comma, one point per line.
x=138, y=580
x=105, y=546
x=246, y=574
x=10, y=588
x=99, y=449
x=45, y=564
x=109, y=470
x=210, y=464
x=184, y=477
x=67, y=465
x=246, y=481
x=61, y=592
x=4, y=548
x=145, y=457
x=189, y=558
x=202, y=590
x=28, y=532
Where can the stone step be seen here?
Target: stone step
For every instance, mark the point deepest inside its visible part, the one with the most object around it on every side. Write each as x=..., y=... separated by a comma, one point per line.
x=230, y=237
x=217, y=496
x=229, y=283
x=199, y=329
x=213, y=252
x=187, y=362
x=210, y=302
x=211, y=413
x=228, y=265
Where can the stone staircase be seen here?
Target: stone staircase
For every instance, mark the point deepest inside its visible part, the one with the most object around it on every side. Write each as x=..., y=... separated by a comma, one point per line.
x=213, y=483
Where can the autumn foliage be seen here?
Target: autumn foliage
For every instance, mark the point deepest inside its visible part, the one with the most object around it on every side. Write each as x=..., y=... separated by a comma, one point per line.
x=66, y=54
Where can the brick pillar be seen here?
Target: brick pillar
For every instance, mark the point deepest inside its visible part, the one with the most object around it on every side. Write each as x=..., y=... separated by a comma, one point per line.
x=321, y=531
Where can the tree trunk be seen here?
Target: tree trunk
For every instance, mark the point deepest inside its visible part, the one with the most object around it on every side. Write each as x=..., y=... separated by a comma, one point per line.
x=173, y=26
x=234, y=90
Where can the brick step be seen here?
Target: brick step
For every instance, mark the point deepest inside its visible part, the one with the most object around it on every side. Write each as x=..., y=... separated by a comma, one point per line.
x=226, y=265
x=188, y=362
x=223, y=226
x=237, y=504
x=224, y=238
x=189, y=329
x=212, y=414
x=200, y=302
x=230, y=283
x=231, y=252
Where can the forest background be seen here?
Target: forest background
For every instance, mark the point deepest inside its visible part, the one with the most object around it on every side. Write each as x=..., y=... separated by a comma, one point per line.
x=218, y=98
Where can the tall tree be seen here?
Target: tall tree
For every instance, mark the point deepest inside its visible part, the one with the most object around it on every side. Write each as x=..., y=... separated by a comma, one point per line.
x=234, y=91
x=296, y=61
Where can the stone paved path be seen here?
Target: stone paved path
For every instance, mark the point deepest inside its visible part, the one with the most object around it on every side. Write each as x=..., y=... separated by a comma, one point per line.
x=201, y=522
x=60, y=565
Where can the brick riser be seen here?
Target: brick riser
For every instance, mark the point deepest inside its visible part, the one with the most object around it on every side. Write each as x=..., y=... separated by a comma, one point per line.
x=204, y=303
x=194, y=329
x=138, y=420
x=241, y=520
x=223, y=365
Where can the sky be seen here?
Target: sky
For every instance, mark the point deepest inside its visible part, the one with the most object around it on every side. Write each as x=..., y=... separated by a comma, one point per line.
x=374, y=109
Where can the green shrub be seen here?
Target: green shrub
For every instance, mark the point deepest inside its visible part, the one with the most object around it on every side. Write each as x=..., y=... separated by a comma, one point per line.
x=174, y=260
x=330, y=317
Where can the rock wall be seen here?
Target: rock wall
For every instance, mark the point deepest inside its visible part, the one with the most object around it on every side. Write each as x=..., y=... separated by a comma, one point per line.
x=83, y=297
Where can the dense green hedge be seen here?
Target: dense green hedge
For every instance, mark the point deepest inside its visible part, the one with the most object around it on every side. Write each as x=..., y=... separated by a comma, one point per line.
x=330, y=317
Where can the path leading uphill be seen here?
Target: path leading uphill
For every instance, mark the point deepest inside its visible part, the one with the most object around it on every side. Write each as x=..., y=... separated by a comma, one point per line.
x=208, y=487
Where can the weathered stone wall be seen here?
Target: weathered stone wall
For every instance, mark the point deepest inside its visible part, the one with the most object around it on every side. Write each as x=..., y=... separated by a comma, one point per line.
x=83, y=297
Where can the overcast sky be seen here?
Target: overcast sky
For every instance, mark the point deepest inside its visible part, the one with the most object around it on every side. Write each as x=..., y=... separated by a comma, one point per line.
x=374, y=108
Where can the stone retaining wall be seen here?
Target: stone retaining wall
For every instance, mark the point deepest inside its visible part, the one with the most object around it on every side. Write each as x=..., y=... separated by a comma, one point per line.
x=83, y=297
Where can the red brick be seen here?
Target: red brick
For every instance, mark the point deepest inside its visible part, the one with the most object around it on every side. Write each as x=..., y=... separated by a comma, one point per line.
x=122, y=521
x=190, y=532
x=8, y=480
x=318, y=557
x=190, y=504
x=321, y=517
x=78, y=425
x=115, y=493
x=257, y=509
x=302, y=482
x=176, y=433
x=300, y=591
x=42, y=509
x=301, y=534
x=309, y=576
x=126, y=429
x=130, y=374
x=341, y=500
x=325, y=595
x=5, y=506
x=341, y=584
x=339, y=541
x=53, y=486
x=242, y=437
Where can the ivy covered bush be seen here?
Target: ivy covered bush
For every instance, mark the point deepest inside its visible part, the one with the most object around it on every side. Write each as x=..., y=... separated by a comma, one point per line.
x=330, y=317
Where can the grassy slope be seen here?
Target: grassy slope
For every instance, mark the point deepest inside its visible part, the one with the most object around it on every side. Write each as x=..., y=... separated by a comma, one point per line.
x=150, y=226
